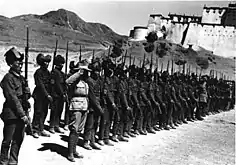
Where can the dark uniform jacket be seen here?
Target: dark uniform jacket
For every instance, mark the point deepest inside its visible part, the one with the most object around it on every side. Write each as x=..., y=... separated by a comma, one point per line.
x=42, y=82
x=12, y=85
x=58, y=79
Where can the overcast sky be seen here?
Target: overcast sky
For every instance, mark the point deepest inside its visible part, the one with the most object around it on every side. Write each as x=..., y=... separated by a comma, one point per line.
x=121, y=16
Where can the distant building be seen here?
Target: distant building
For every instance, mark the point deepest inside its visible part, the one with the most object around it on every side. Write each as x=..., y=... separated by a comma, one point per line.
x=215, y=30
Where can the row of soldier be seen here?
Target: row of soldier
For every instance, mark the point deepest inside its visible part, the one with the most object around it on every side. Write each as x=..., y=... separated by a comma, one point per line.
x=122, y=102
x=134, y=101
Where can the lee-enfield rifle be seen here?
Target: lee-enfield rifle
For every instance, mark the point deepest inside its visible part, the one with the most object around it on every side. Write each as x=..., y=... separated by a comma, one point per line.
x=26, y=92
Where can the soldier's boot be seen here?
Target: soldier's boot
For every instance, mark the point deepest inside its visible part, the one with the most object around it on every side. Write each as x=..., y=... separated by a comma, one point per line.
x=131, y=134
x=122, y=138
x=45, y=134
x=190, y=119
x=4, y=153
x=126, y=135
x=136, y=132
x=86, y=145
x=172, y=126
x=151, y=130
x=166, y=127
x=108, y=143
x=76, y=154
x=95, y=146
x=156, y=128
x=184, y=121
x=175, y=123
x=101, y=142
x=114, y=138
x=144, y=131
x=71, y=144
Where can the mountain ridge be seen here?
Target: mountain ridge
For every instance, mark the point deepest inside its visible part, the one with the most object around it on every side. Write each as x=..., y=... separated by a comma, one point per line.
x=60, y=24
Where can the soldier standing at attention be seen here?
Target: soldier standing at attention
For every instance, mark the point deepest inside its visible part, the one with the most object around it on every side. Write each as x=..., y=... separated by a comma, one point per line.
x=41, y=94
x=13, y=113
x=91, y=123
x=58, y=93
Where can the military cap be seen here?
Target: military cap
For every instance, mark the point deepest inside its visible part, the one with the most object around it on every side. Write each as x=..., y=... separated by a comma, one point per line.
x=84, y=65
x=59, y=60
x=73, y=66
x=41, y=59
x=13, y=55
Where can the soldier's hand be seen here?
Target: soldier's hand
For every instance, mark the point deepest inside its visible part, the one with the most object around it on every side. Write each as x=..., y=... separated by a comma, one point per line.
x=114, y=107
x=25, y=119
x=50, y=98
x=129, y=109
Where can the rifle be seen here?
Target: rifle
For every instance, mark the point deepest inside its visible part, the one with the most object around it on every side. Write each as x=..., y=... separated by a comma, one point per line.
x=26, y=94
x=183, y=71
x=134, y=61
x=157, y=63
x=54, y=55
x=151, y=63
x=172, y=67
x=167, y=67
x=161, y=67
x=93, y=56
x=80, y=53
x=124, y=58
x=144, y=59
x=66, y=62
x=109, y=51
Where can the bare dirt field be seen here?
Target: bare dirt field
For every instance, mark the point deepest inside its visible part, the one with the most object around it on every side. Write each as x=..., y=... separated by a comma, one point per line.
x=208, y=142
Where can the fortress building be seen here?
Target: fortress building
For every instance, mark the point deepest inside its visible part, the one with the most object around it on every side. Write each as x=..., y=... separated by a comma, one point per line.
x=215, y=30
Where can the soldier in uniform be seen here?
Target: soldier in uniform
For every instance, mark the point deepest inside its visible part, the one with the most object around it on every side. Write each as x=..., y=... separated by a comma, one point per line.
x=80, y=95
x=108, y=104
x=125, y=111
x=94, y=82
x=14, y=113
x=202, y=93
x=159, y=90
x=41, y=94
x=133, y=88
x=59, y=94
x=152, y=121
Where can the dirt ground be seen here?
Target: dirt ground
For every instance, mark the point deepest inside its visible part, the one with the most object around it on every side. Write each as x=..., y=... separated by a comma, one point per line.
x=208, y=142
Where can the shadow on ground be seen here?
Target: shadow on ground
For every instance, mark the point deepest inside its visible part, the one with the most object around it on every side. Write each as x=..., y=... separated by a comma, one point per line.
x=66, y=138
x=53, y=147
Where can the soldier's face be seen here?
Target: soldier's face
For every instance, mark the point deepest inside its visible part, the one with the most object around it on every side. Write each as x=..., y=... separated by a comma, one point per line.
x=17, y=66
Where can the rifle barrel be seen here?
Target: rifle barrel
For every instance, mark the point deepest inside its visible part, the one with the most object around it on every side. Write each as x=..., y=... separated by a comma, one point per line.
x=26, y=53
x=66, y=62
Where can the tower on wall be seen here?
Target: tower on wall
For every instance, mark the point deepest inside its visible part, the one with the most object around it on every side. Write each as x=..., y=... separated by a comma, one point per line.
x=225, y=16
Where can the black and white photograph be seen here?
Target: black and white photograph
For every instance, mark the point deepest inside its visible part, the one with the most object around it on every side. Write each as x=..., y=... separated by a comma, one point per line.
x=117, y=82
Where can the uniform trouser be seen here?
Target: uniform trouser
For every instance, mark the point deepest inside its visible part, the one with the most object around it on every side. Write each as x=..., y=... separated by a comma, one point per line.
x=176, y=112
x=129, y=120
x=40, y=113
x=105, y=124
x=56, y=112
x=123, y=121
x=189, y=109
x=163, y=115
x=146, y=117
x=76, y=125
x=116, y=121
x=91, y=126
x=138, y=118
x=170, y=108
x=66, y=117
x=200, y=110
x=13, y=135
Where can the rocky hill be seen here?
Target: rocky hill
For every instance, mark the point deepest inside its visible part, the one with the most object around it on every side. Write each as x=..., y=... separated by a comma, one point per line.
x=62, y=25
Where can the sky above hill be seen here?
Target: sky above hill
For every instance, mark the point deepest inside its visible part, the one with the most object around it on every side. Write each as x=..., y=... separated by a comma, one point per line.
x=121, y=16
